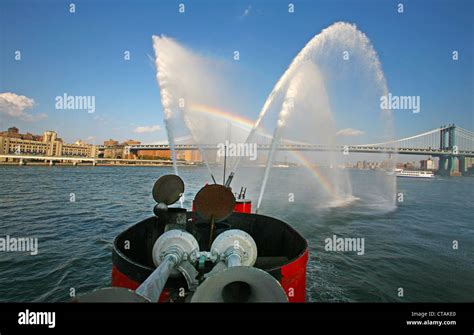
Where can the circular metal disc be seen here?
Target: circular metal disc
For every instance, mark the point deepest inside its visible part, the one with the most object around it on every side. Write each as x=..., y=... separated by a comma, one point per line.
x=168, y=189
x=240, y=284
x=111, y=294
x=182, y=240
x=245, y=242
x=215, y=202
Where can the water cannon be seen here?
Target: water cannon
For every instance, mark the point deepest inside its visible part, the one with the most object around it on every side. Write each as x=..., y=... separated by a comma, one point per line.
x=172, y=254
x=233, y=279
x=235, y=247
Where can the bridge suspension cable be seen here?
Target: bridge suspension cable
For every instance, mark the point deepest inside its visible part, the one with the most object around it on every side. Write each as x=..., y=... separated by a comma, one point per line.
x=410, y=141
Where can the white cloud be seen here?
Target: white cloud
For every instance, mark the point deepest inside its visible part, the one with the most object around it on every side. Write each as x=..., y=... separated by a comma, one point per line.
x=246, y=11
x=350, y=132
x=14, y=105
x=147, y=129
x=102, y=119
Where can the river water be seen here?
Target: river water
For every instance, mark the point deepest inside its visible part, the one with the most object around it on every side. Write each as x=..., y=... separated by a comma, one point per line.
x=76, y=212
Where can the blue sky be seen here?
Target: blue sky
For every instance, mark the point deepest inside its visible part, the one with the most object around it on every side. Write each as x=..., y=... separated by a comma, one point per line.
x=82, y=54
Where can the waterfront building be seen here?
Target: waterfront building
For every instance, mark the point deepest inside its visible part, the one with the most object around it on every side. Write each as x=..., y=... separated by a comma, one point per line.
x=189, y=155
x=111, y=143
x=114, y=149
x=154, y=154
x=49, y=144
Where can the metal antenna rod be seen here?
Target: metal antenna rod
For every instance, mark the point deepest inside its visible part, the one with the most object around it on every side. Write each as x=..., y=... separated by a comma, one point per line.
x=225, y=162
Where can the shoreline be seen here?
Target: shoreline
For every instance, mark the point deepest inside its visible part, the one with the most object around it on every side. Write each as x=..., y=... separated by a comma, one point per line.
x=16, y=164
x=160, y=164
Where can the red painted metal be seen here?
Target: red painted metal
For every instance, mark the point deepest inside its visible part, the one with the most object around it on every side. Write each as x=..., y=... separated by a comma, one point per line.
x=293, y=278
x=243, y=206
x=121, y=280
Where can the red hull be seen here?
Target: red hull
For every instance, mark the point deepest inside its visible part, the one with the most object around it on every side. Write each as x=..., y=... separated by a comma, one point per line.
x=293, y=280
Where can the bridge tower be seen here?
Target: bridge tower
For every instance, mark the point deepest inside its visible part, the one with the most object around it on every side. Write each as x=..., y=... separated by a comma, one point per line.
x=448, y=164
x=447, y=137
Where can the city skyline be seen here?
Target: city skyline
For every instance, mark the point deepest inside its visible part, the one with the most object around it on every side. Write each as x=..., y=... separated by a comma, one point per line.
x=44, y=144
x=127, y=99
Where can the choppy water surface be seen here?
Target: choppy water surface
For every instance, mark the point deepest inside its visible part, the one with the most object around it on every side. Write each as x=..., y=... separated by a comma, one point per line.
x=410, y=247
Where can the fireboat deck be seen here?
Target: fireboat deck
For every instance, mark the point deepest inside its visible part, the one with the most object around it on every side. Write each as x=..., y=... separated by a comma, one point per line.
x=281, y=249
x=278, y=243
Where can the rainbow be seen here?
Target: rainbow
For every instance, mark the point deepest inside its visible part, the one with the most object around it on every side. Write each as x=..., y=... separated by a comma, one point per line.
x=248, y=124
x=222, y=114
x=323, y=180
